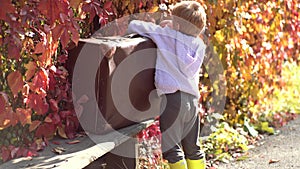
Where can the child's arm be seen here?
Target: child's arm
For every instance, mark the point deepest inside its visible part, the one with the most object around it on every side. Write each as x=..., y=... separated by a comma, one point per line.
x=147, y=29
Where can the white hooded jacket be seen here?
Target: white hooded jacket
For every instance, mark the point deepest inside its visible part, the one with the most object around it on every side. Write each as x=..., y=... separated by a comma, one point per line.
x=179, y=57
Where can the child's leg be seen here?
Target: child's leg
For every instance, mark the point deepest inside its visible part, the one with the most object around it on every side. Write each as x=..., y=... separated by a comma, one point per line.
x=191, y=142
x=171, y=125
x=191, y=146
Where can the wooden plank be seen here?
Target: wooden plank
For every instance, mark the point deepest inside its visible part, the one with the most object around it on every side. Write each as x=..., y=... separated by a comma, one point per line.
x=79, y=155
x=116, y=41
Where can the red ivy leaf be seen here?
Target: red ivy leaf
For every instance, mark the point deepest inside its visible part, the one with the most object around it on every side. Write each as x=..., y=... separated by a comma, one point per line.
x=15, y=82
x=75, y=35
x=63, y=58
x=24, y=115
x=65, y=114
x=9, y=8
x=48, y=120
x=34, y=125
x=55, y=118
x=45, y=130
x=57, y=32
x=5, y=154
x=53, y=105
x=52, y=81
x=53, y=8
x=13, y=118
x=65, y=37
x=2, y=104
x=38, y=104
x=56, y=142
x=72, y=124
x=40, y=82
x=73, y=142
x=107, y=5
x=93, y=8
x=13, y=51
x=20, y=152
x=14, y=152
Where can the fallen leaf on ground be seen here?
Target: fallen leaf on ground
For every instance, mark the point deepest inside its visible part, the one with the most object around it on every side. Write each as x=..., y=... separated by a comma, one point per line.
x=73, y=142
x=56, y=142
x=81, y=134
x=273, y=161
x=58, y=150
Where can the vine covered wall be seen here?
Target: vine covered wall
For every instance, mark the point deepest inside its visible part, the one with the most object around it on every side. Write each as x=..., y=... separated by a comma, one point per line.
x=252, y=39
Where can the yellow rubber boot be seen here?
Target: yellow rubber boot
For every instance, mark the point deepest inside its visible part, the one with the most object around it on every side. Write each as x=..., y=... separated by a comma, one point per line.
x=178, y=165
x=196, y=164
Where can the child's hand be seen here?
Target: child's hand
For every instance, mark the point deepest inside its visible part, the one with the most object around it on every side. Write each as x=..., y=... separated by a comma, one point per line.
x=165, y=23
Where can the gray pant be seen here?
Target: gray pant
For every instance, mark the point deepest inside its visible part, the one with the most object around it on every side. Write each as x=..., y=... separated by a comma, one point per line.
x=180, y=127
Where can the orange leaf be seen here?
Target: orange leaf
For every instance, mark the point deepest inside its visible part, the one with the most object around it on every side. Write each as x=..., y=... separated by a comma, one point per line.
x=40, y=81
x=154, y=9
x=15, y=82
x=24, y=115
x=31, y=67
x=34, y=125
x=75, y=3
x=40, y=47
x=9, y=118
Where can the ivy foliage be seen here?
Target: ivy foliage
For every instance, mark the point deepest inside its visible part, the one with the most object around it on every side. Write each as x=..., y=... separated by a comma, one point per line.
x=253, y=40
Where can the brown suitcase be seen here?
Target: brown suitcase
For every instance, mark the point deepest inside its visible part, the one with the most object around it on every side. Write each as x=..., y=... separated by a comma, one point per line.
x=110, y=89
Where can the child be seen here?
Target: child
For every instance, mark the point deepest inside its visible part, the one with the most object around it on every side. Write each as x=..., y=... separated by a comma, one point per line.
x=179, y=58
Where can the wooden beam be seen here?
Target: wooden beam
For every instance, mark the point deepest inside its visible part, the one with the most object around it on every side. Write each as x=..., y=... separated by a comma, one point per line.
x=78, y=156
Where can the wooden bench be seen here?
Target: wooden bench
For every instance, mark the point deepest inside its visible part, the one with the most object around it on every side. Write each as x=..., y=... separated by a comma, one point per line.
x=82, y=154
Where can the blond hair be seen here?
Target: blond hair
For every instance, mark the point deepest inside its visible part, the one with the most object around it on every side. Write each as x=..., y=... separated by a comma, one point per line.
x=190, y=16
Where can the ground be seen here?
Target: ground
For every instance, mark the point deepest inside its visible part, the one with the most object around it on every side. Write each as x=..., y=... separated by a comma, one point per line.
x=280, y=151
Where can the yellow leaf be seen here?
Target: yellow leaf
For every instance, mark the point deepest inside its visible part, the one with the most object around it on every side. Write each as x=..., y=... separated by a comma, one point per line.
x=131, y=8
x=265, y=127
x=154, y=9
x=219, y=36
